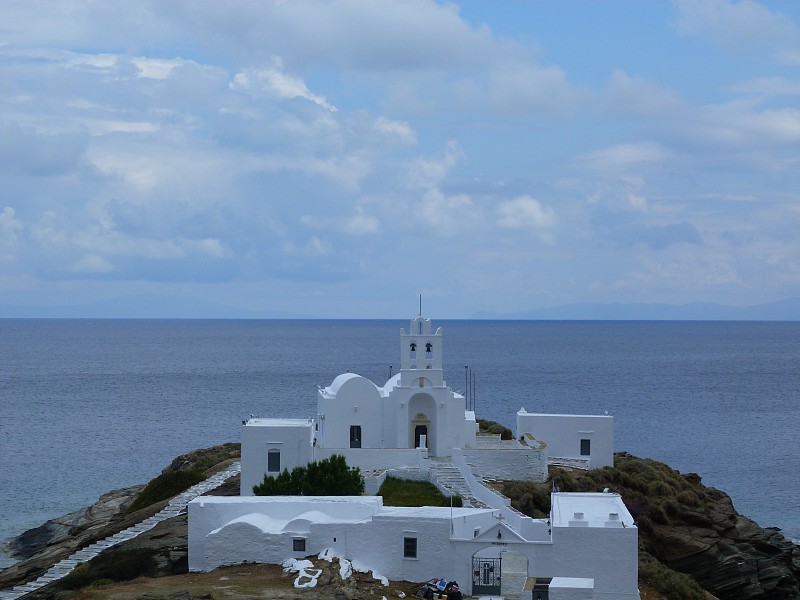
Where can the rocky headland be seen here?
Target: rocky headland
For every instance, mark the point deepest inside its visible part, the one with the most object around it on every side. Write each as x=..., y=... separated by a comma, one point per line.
x=693, y=543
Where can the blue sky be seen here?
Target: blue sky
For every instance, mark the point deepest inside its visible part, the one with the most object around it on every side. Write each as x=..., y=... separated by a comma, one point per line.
x=335, y=159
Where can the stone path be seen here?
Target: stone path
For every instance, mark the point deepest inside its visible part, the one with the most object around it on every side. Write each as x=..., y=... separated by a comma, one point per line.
x=175, y=507
x=449, y=477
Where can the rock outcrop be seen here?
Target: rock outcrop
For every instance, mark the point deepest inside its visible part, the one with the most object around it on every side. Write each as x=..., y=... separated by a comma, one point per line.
x=687, y=526
x=41, y=547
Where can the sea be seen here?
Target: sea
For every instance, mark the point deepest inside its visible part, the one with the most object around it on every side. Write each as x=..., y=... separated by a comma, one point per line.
x=88, y=406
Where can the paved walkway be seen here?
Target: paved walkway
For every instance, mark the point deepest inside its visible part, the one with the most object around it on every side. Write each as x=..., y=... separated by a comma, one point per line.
x=175, y=507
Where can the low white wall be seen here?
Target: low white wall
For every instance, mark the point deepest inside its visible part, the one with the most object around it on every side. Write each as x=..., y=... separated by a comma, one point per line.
x=376, y=459
x=571, y=588
x=373, y=483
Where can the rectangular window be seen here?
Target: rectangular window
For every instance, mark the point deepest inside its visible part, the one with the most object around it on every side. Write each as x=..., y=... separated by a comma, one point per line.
x=299, y=545
x=409, y=547
x=274, y=461
x=586, y=447
x=355, y=436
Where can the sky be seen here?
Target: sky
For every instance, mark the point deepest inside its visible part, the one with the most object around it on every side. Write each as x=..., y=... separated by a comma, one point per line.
x=339, y=158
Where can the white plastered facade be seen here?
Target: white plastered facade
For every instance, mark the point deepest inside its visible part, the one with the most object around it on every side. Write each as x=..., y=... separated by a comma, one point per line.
x=588, y=537
x=587, y=438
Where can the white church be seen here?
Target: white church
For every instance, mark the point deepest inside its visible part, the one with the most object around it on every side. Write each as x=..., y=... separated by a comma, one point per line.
x=416, y=427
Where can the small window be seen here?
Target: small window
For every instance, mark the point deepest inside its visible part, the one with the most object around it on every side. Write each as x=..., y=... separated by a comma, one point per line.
x=355, y=436
x=586, y=447
x=409, y=547
x=299, y=545
x=274, y=461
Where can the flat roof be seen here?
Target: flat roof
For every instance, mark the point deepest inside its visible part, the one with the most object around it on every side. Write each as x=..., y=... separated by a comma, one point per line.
x=595, y=508
x=261, y=422
x=525, y=412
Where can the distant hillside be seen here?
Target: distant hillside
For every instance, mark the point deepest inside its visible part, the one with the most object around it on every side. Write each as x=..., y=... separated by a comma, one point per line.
x=140, y=306
x=783, y=310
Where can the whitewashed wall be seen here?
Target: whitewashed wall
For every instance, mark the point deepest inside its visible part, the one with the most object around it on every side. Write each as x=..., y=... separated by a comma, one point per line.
x=607, y=555
x=292, y=437
x=563, y=435
x=374, y=459
x=357, y=401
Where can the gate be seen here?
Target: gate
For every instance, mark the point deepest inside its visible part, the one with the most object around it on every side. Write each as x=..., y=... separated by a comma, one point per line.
x=485, y=575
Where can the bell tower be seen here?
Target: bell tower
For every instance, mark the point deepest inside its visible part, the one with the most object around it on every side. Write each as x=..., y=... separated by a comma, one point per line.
x=421, y=355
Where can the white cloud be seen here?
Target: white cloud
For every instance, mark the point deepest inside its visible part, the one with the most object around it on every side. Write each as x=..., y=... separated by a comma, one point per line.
x=357, y=224
x=740, y=125
x=768, y=86
x=616, y=194
x=396, y=129
x=738, y=27
x=273, y=80
x=636, y=96
x=526, y=89
x=446, y=215
x=362, y=224
x=525, y=212
x=623, y=157
x=92, y=264
x=430, y=172
x=317, y=247
x=10, y=226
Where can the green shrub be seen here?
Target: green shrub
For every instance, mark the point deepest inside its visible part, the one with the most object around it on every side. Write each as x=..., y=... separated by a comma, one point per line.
x=485, y=426
x=406, y=492
x=111, y=565
x=532, y=499
x=329, y=477
x=166, y=486
x=660, y=488
x=689, y=498
x=673, y=585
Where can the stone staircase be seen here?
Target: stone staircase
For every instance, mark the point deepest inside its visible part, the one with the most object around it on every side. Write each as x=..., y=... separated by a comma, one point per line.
x=175, y=507
x=449, y=477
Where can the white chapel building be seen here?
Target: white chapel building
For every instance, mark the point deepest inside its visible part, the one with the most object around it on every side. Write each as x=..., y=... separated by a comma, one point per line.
x=413, y=416
x=414, y=426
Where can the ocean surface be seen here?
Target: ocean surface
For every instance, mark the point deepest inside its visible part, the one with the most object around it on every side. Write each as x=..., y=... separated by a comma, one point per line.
x=87, y=406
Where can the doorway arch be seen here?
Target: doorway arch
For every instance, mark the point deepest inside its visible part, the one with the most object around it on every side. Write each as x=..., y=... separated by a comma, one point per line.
x=499, y=571
x=422, y=413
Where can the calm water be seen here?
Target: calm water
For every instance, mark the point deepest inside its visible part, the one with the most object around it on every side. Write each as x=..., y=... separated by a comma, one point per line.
x=88, y=406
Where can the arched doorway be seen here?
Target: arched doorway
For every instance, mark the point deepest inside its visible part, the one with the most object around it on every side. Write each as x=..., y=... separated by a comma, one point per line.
x=487, y=570
x=422, y=413
x=421, y=423
x=499, y=571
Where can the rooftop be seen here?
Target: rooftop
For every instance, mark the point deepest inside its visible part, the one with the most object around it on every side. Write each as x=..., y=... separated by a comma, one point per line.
x=604, y=509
